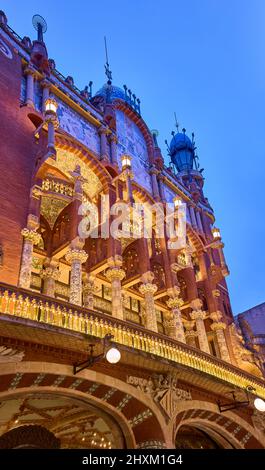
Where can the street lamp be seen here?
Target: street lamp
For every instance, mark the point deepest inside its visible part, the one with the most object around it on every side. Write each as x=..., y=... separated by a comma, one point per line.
x=216, y=233
x=51, y=106
x=259, y=404
x=177, y=202
x=126, y=162
x=110, y=352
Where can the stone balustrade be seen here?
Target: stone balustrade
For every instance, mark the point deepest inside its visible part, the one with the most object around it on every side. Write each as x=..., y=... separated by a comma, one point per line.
x=38, y=308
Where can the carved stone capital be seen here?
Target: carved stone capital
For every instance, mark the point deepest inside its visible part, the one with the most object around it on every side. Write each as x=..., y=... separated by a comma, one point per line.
x=216, y=293
x=218, y=326
x=115, y=261
x=175, y=302
x=115, y=273
x=148, y=288
x=148, y=277
x=31, y=236
x=189, y=325
x=50, y=271
x=76, y=255
x=198, y=315
x=216, y=316
x=173, y=291
x=89, y=286
x=196, y=304
x=113, y=138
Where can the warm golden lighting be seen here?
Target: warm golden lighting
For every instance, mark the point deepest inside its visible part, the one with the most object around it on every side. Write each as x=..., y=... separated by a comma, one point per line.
x=259, y=404
x=51, y=106
x=177, y=202
x=216, y=233
x=126, y=162
x=113, y=355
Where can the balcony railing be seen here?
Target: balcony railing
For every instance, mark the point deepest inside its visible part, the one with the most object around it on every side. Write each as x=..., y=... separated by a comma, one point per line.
x=39, y=308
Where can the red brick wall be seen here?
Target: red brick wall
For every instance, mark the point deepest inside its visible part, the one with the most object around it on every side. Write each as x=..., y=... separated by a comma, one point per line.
x=17, y=153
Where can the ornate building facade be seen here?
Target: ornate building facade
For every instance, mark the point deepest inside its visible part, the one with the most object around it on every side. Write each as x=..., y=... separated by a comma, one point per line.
x=167, y=308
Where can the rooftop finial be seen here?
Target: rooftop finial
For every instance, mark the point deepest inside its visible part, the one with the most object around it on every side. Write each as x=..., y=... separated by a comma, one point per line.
x=176, y=122
x=107, y=67
x=40, y=25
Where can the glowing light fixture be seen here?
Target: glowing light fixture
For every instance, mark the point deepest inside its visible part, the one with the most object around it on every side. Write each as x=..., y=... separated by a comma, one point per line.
x=216, y=233
x=113, y=355
x=51, y=106
x=126, y=162
x=177, y=202
x=259, y=404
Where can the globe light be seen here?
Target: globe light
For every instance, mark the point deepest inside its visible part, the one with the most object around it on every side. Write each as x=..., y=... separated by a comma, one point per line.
x=51, y=106
x=126, y=162
x=259, y=404
x=113, y=355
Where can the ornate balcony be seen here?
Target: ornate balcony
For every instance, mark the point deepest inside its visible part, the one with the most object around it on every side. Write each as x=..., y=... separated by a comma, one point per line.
x=24, y=304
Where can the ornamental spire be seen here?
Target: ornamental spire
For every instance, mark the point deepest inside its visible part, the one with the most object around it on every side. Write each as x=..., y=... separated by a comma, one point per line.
x=107, y=66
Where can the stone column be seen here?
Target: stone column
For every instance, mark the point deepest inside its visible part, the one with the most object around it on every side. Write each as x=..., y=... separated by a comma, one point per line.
x=161, y=180
x=30, y=72
x=174, y=325
x=218, y=327
x=190, y=333
x=76, y=256
x=199, y=316
x=103, y=131
x=46, y=92
x=154, y=173
x=31, y=237
x=148, y=290
x=192, y=216
x=50, y=273
x=113, y=148
x=199, y=222
x=89, y=289
x=116, y=274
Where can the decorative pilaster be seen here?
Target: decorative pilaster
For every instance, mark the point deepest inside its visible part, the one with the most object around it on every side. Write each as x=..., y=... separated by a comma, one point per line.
x=174, y=324
x=30, y=73
x=31, y=237
x=154, y=173
x=218, y=327
x=192, y=216
x=199, y=316
x=116, y=274
x=76, y=256
x=148, y=290
x=50, y=274
x=89, y=290
x=103, y=131
x=113, y=149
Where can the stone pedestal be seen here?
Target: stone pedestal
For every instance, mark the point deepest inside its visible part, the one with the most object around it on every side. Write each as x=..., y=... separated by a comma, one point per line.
x=76, y=256
x=31, y=237
x=174, y=323
x=148, y=290
x=199, y=317
x=50, y=274
x=89, y=290
x=116, y=274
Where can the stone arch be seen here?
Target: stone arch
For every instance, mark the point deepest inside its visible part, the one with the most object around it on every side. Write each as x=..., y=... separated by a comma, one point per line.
x=226, y=427
x=138, y=416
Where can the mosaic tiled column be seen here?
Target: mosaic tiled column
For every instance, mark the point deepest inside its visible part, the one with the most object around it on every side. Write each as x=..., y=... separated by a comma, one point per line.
x=50, y=274
x=199, y=317
x=31, y=237
x=76, y=257
x=174, y=325
x=89, y=290
x=30, y=73
x=218, y=327
x=148, y=290
x=116, y=274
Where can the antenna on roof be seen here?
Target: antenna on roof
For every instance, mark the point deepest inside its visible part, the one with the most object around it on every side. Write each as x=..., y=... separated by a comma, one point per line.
x=176, y=122
x=107, y=67
x=40, y=25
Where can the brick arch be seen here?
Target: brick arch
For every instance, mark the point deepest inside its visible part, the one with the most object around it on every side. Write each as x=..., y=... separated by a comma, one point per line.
x=227, y=426
x=139, y=418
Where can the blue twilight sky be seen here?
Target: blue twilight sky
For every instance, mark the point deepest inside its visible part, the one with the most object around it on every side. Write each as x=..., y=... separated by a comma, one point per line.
x=203, y=59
